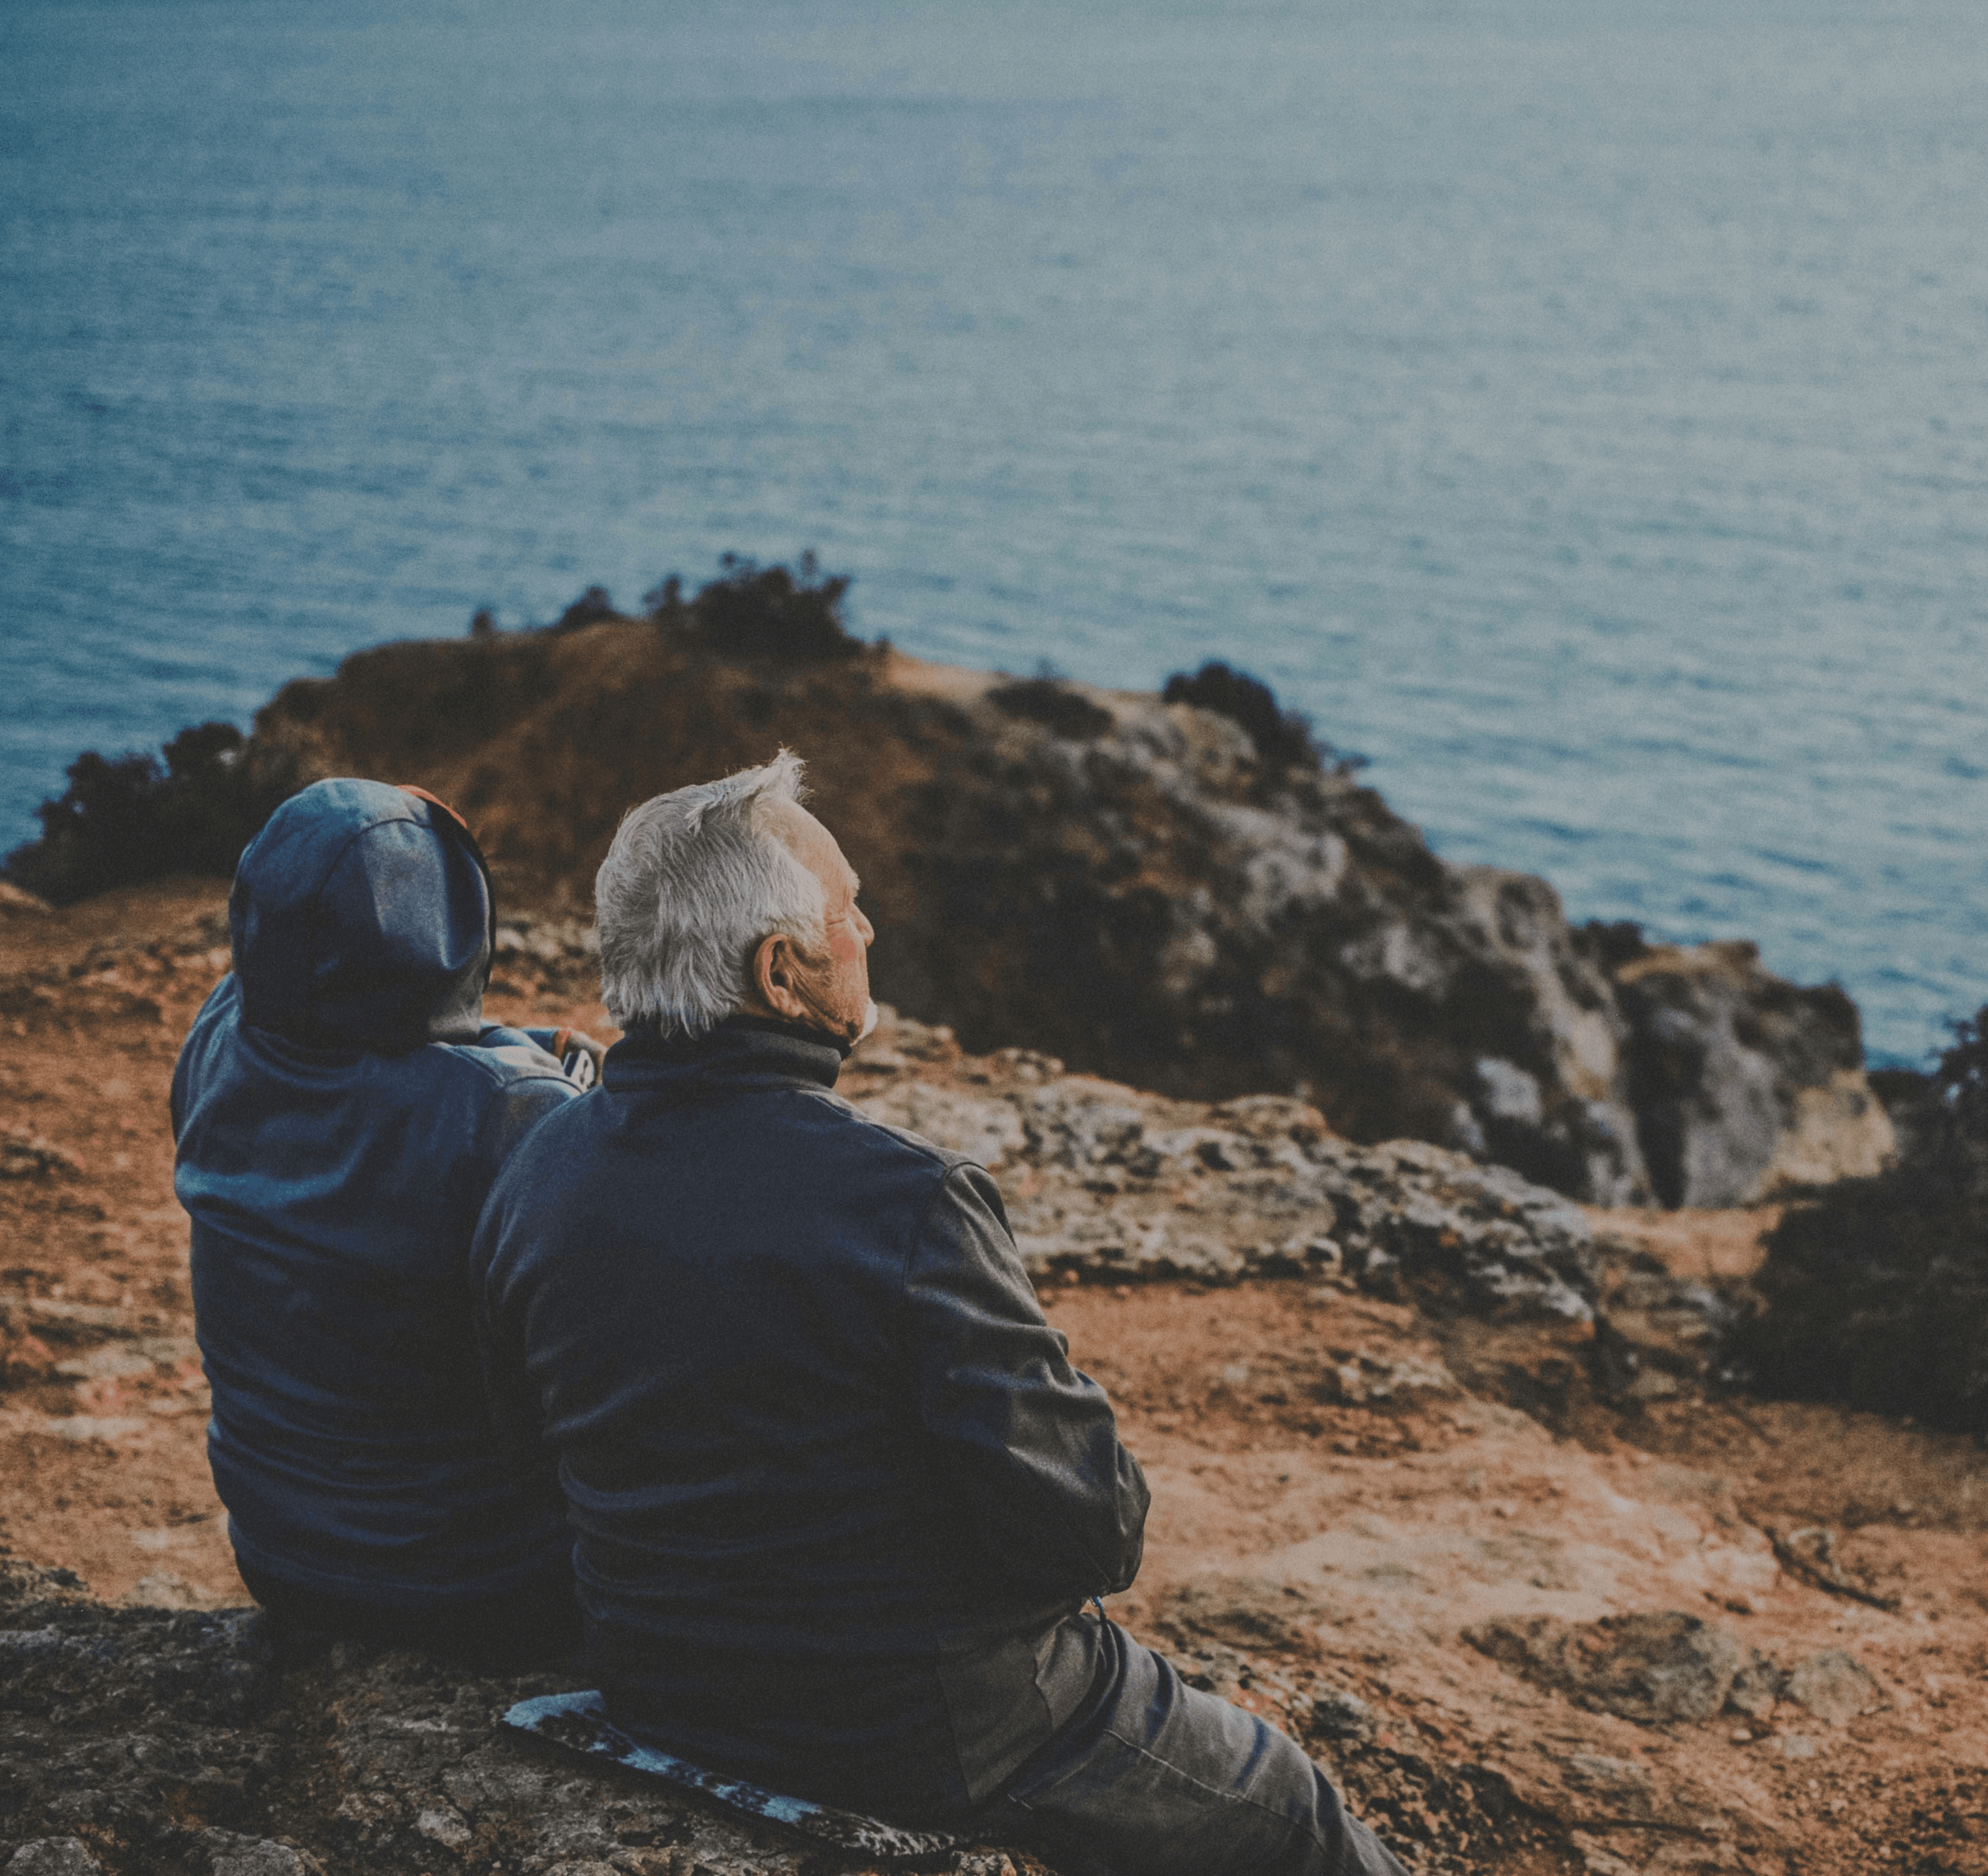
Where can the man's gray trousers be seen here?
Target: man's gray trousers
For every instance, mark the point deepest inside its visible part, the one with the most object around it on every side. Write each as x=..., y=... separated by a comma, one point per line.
x=1154, y=1777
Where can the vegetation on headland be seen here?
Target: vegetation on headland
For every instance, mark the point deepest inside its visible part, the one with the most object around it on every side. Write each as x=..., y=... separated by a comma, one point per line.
x=192, y=809
x=129, y=818
x=1877, y=1292
x=126, y=819
x=1283, y=738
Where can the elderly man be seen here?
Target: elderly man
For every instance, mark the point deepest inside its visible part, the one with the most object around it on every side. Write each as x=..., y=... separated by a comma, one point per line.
x=839, y=1498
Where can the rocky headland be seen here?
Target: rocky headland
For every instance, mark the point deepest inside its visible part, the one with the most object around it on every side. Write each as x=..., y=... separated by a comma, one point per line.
x=1185, y=892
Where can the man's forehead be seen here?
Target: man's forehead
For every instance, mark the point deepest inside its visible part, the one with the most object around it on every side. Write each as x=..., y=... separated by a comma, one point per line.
x=810, y=843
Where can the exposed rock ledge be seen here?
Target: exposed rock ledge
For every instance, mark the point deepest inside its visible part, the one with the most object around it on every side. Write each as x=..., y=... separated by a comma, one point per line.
x=1101, y=1181
x=175, y=1742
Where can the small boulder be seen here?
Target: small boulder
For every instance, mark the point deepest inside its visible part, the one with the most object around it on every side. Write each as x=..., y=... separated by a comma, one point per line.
x=53, y=1855
x=231, y=1855
x=1338, y=1716
x=1831, y=1685
x=1621, y=1786
x=1653, y=1669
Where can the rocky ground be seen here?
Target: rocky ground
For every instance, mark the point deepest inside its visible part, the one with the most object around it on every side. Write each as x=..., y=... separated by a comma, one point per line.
x=1444, y=1483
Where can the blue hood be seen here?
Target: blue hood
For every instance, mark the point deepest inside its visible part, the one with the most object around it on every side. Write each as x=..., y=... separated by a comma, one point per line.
x=362, y=918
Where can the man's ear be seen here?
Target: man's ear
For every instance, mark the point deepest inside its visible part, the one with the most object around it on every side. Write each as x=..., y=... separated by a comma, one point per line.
x=775, y=973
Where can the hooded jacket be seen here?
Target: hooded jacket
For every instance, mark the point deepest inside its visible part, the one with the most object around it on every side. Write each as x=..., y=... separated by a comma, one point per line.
x=836, y=1492
x=341, y=1110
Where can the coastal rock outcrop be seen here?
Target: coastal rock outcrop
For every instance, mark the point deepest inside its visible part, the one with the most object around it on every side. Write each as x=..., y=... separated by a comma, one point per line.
x=1189, y=895
x=1157, y=904
x=1744, y=1085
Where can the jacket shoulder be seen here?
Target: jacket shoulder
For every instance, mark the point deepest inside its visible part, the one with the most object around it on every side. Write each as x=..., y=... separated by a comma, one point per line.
x=499, y=1058
x=885, y=1139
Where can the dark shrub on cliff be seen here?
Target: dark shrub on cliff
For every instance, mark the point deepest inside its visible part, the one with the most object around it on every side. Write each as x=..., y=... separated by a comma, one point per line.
x=126, y=819
x=129, y=819
x=1612, y=945
x=593, y=606
x=752, y=611
x=1050, y=702
x=1962, y=1080
x=749, y=611
x=1282, y=737
x=1877, y=1293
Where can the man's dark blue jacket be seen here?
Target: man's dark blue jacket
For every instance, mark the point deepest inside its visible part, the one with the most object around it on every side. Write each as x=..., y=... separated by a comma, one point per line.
x=341, y=1111
x=837, y=1492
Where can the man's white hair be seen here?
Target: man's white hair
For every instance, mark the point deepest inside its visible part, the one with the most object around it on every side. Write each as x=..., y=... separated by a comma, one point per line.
x=694, y=881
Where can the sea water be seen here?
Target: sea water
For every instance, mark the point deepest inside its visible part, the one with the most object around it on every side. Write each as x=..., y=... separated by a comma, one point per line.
x=1576, y=406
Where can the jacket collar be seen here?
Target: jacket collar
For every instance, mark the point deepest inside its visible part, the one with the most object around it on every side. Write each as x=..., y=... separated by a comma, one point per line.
x=741, y=1051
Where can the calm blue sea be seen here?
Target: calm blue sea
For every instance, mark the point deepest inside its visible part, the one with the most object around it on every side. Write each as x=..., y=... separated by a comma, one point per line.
x=1580, y=406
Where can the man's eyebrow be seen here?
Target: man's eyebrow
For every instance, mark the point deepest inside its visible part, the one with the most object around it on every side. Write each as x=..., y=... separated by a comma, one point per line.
x=855, y=882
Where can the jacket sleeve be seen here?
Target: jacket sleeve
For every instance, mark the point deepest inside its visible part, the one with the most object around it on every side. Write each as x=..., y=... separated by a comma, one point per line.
x=198, y=1045
x=1030, y=1444
x=524, y=1104
x=510, y=1401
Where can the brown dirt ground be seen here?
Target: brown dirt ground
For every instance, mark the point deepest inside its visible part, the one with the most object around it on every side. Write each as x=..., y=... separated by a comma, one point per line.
x=1298, y=1537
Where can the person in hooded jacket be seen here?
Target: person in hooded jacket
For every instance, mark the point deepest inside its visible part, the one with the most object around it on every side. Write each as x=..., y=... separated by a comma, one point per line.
x=341, y=1110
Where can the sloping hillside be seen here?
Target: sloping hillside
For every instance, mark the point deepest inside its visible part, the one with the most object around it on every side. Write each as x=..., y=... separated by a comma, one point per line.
x=1441, y=1484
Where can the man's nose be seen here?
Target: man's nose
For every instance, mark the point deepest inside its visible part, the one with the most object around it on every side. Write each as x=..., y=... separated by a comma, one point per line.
x=863, y=926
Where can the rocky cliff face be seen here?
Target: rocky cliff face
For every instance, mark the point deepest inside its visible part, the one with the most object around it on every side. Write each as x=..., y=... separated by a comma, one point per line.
x=1138, y=887
x=1148, y=896
x=1744, y=1085
x=1154, y=901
